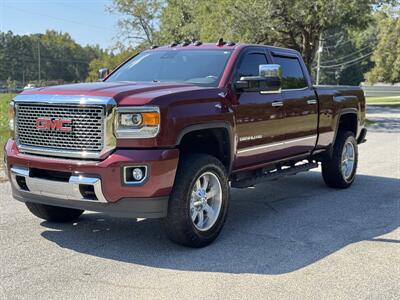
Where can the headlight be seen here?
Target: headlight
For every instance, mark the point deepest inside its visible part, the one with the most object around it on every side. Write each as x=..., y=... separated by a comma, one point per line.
x=11, y=116
x=137, y=122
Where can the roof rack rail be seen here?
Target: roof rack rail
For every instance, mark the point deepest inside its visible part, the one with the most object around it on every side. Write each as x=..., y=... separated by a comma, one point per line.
x=154, y=46
x=197, y=43
x=173, y=44
x=230, y=43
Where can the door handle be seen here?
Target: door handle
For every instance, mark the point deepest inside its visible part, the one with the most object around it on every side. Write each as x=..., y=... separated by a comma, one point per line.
x=312, y=101
x=277, y=103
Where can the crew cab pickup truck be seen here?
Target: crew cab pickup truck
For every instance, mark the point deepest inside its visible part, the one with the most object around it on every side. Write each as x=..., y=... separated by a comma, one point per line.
x=168, y=132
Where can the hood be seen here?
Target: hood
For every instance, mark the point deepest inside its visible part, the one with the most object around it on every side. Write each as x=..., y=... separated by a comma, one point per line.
x=122, y=92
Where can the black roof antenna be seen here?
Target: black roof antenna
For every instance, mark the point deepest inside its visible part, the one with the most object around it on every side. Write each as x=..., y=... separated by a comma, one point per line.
x=221, y=42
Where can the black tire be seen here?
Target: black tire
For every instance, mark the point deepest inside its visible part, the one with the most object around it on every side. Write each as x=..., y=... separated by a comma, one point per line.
x=178, y=224
x=332, y=169
x=53, y=213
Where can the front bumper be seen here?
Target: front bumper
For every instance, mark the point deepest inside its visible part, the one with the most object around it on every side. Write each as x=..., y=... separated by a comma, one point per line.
x=103, y=178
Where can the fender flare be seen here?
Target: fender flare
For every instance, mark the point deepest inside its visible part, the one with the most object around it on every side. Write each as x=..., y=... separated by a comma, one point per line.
x=345, y=111
x=212, y=125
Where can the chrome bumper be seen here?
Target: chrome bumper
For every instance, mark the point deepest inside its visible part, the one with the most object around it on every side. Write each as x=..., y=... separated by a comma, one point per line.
x=57, y=189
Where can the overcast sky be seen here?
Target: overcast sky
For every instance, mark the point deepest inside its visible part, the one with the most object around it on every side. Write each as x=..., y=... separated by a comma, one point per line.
x=87, y=21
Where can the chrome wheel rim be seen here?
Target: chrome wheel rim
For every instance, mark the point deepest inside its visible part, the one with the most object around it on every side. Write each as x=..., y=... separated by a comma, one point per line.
x=348, y=156
x=205, y=201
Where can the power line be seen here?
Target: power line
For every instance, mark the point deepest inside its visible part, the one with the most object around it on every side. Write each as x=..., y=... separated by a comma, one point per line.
x=348, y=55
x=58, y=18
x=339, y=44
x=347, y=62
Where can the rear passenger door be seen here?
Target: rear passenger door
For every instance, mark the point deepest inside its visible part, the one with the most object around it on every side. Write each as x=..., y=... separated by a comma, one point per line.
x=300, y=105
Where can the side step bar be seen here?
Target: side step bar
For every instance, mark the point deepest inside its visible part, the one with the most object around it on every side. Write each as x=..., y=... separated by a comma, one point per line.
x=275, y=174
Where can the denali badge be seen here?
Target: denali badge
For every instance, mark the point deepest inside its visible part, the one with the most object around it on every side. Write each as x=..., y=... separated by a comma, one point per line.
x=53, y=124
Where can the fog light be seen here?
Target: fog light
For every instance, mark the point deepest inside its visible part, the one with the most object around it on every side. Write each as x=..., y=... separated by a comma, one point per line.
x=137, y=174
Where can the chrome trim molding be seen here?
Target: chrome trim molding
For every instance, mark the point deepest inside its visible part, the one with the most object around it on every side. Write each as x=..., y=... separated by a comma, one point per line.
x=265, y=146
x=64, y=99
x=277, y=104
x=299, y=89
x=133, y=183
x=312, y=101
x=58, y=189
x=109, y=105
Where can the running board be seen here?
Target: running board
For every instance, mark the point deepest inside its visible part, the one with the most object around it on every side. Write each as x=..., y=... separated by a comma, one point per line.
x=278, y=173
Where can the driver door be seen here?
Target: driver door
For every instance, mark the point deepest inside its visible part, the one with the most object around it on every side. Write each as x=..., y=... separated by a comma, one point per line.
x=259, y=116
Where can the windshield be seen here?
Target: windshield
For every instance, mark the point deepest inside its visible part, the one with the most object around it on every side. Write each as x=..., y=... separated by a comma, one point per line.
x=200, y=67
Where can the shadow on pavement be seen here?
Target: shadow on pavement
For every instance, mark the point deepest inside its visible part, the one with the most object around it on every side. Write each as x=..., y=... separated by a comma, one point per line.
x=384, y=118
x=274, y=228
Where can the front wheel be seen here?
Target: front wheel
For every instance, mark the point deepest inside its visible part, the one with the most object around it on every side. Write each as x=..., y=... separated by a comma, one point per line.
x=199, y=201
x=340, y=170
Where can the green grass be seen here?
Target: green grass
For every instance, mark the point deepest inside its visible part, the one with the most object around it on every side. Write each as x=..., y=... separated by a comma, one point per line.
x=4, y=131
x=391, y=100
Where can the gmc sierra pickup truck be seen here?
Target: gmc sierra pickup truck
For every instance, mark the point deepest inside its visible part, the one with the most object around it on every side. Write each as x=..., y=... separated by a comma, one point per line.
x=168, y=132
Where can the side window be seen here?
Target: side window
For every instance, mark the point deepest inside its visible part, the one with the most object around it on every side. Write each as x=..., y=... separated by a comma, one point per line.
x=292, y=74
x=249, y=66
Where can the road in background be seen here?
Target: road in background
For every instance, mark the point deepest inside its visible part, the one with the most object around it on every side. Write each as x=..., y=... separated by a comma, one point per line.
x=381, y=90
x=293, y=238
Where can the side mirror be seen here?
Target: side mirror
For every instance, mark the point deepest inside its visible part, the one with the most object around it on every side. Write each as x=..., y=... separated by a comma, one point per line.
x=268, y=81
x=103, y=73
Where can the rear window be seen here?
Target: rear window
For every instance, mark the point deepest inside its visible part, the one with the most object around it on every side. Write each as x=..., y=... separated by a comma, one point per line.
x=292, y=74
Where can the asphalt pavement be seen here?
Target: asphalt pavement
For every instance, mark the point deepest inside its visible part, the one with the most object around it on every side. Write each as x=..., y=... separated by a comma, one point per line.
x=289, y=239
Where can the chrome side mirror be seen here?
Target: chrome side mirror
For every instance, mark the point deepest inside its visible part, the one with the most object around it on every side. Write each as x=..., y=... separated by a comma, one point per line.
x=268, y=80
x=272, y=74
x=103, y=73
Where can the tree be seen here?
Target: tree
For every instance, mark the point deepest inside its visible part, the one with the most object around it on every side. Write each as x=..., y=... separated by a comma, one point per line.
x=346, y=55
x=297, y=24
x=139, y=24
x=387, y=53
x=61, y=58
x=110, y=61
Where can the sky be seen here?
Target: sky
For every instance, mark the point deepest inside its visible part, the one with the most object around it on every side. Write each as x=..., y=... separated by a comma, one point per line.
x=87, y=21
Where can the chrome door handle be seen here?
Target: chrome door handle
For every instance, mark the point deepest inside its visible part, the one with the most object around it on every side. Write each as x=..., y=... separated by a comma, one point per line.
x=312, y=101
x=277, y=103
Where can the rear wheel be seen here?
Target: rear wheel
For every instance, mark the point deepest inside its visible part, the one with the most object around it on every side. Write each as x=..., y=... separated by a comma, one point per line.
x=53, y=213
x=199, y=201
x=340, y=170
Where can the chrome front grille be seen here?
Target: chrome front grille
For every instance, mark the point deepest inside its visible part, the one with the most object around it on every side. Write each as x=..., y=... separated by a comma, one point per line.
x=87, y=127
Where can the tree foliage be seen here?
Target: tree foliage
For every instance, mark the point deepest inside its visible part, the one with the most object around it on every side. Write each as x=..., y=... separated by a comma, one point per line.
x=290, y=23
x=139, y=22
x=387, y=53
x=110, y=61
x=61, y=58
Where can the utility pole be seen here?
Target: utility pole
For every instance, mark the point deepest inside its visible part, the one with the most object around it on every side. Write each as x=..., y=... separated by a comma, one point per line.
x=319, y=53
x=38, y=49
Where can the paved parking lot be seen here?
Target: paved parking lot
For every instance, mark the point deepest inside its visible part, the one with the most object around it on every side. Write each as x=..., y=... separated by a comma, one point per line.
x=293, y=238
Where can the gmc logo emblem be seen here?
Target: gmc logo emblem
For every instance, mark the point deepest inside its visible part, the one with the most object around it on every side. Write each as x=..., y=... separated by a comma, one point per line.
x=53, y=124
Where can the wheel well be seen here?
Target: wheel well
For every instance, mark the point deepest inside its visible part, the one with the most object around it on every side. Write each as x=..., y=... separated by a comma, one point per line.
x=348, y=122
x=215, y=142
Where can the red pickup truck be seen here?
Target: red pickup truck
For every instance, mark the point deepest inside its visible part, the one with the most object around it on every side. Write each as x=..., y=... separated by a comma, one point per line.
x=168, y=132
